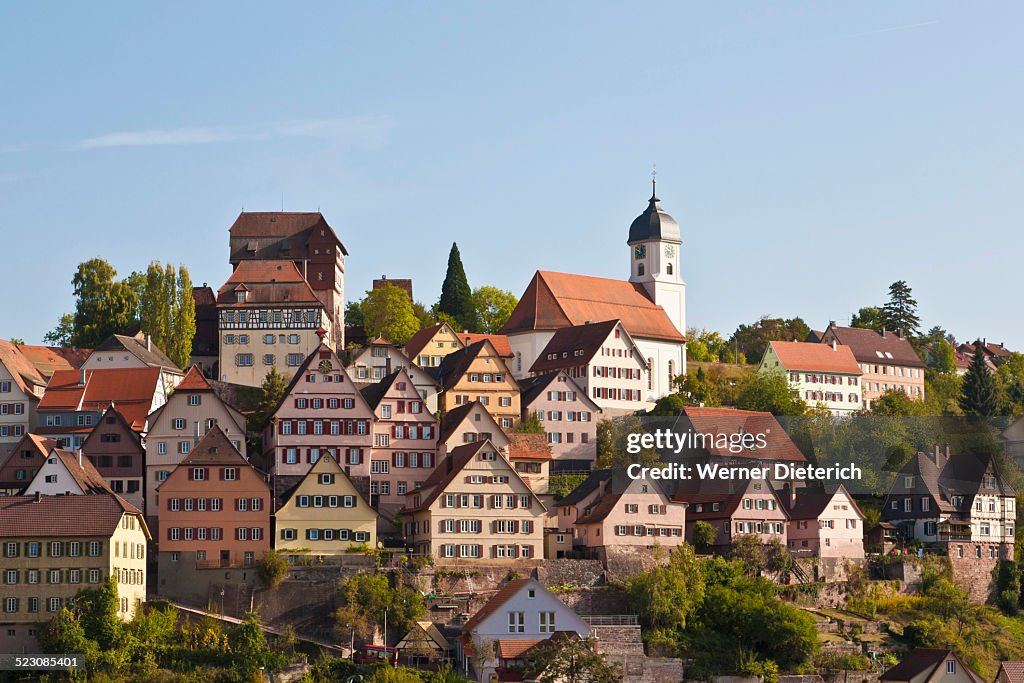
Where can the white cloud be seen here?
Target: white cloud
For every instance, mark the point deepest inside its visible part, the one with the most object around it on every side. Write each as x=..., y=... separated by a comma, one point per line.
x=365, y=129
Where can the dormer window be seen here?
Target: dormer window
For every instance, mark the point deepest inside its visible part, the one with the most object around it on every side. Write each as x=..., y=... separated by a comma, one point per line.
x=240, y=297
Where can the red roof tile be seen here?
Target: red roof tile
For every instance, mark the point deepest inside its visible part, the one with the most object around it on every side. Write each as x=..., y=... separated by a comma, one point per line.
x=49, y=359
x=24, y=516
x=193, y=381
x=528, y=447
x=573, y=346
x=806, y=357
x=499, y=341
x=730, y=420
x=82, y=471
x=513, y=649
x=25, y=375
x=869, y=346
x=554, y=300
x=131, y=390
x=278, y=282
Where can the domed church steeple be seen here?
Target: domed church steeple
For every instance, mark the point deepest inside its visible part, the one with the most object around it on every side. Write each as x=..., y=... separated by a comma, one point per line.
x=654, y=223
x=654, y=258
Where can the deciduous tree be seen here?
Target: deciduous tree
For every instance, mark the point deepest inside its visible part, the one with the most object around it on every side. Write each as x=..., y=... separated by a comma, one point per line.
x=493, y=308
x=104, y=305
x=388, y=312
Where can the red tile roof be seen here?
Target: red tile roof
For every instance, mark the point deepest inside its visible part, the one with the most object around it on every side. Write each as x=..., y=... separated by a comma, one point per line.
x=49, y=359
x=555, y=300
x=495, y=603
x=806, y=357
x=280, y=224
x=499, y=341
x=25, y=374
x=267, y=282
x=1014, y=671
x=193, y=381
x=528, y=447
x=131, y=390
x=214, y=449
x=24, y=516
x=513, y=649
x=39, y=446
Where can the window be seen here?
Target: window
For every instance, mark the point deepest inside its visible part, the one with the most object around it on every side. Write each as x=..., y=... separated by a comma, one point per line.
x=516, y=621
x=951, y=666
x=547, y=622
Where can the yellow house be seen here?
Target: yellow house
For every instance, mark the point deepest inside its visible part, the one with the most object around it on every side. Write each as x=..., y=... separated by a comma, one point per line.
x=428, y=347
x=55, y=546
x=325, y=514
x=478, y=373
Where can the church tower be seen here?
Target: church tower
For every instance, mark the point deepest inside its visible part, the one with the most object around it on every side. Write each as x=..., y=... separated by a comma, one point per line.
x=654, y=244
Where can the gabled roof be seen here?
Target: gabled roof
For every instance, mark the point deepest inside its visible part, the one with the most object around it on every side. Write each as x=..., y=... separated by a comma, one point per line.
x=25, y=375
x=456, y=365
x=1014, y=671
x=924, y=660
x=432, y=633
x=112, y=412
x=555, y=300
x=727, y=492
x=609, y=500
x=267, y=282
x=82, y=471
x=300, y=374
x=193, y=381
x=531, y=388
x=131, y=390
x=500, y=342
x=869, y=346
x=451, y=465
x=497, y=600
x=589, y=485
x=279, y=225
x=577, y=345
x=325, y=464
x=730, y=420
x=99, y=515
x=215, y=449
x=811, y=503
x=374, y=393
x=30, y=442
x=49, y=359
x=451, y=420
x=806, y=357
x=418, y=341
x=142, y=347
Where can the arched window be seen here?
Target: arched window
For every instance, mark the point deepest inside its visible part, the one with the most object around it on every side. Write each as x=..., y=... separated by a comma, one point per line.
x=671, y=373
x=650, y=373
x=639, y=269
x=668, y=269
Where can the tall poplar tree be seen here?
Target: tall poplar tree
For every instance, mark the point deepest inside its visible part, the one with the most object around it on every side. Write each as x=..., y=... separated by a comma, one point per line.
x=456, y=296
x=978, y=394
x=167, y=311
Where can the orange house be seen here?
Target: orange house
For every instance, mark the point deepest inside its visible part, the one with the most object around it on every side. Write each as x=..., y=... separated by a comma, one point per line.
x=213, y=509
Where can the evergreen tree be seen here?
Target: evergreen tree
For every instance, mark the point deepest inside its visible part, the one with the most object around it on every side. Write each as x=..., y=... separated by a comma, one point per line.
x=456, y=296
x=900, y=313
x=979, y=395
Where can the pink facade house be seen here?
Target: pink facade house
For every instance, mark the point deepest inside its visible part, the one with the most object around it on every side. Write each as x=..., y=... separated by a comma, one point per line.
x=569, y=418
x=734, y=508
x=404, y=440
x=824, y=523
x=322, y=411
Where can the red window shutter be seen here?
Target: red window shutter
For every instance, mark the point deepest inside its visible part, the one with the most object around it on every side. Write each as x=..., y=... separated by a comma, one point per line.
x=222, y=474
x=394, y=431
x=360, y=456
x=168, y=533
x=515, y=526
x=394, y=460
x=309, y=455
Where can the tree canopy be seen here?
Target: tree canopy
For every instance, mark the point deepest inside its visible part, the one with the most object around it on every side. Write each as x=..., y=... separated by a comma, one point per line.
x=167, y=310
x=900, y=312
x=771, y=392
x=752, y=340
x=979, y=396
x=493, y=307
x=388, y=312
x=103, y=306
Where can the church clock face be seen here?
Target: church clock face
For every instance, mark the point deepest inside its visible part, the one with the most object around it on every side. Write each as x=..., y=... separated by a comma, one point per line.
x=639, y=251
x=326, y=367
x=670, y=251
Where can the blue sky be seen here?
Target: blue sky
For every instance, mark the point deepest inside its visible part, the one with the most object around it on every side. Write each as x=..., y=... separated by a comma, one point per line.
x=812, y=153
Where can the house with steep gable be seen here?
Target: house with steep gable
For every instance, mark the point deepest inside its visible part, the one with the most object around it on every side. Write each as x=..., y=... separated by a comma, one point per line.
x=468, y=423
x=324, y=515
x=822, y=374
x=931, y=665
x=521, y=615
x=823, y=522
x=568, y=415
x=478, y=373
x=176, y=427
x=67, y=473
x=22, y=463
x=604, y=361
x=21, y=388
x=475, y=506
x=429, y=346
x=116, y=451
x=138, y=351
x=373, y=363
x=404, y=448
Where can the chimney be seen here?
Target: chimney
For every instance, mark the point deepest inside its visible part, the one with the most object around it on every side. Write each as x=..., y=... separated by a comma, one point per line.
x=39, y=497
x=831, y=323
x=833, y=344
x=81, y=377
x=883, y=332
x=79, y=458
x=149, y=342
